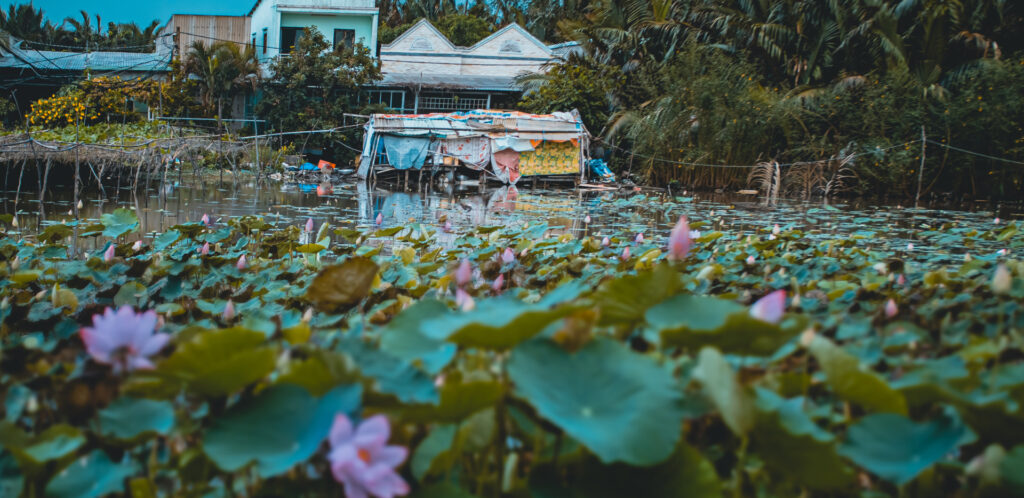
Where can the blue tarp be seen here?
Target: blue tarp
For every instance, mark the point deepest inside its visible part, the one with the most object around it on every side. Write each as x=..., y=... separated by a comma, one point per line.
x=308, y=167
x=600, y=169
x=406, y=152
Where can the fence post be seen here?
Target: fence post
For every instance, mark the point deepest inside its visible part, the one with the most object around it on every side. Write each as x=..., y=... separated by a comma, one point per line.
x=920, y=170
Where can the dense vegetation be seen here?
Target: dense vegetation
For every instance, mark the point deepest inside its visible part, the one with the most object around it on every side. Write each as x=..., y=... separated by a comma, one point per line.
x=28, y=23
x=740, y=82
x=515, y=360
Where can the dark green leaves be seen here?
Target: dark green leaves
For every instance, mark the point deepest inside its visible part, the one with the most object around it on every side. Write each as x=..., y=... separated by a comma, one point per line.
x=127, y=418
x=277, y=428
x=853, y=381
x=897, y=449
x=119, y=222
x=498, y=323
x=91, y=476
x=219, y=362
x=695, y=321
x=621, y=405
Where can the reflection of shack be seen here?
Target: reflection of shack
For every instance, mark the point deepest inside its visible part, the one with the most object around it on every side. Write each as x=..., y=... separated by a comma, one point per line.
x=489, y=145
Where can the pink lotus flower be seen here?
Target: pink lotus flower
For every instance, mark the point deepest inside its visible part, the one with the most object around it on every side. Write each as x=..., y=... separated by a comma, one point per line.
x=241, y=262
x=508, y=257
x=910, y=246
x=639, y=238
x=605, y=242
x=625, y=253
x=309, y=225
x=123, y=338
x=203, y=251
x=229, y=310
x=109, y=253
x=447, y=228
x=380, y=218
x=362, y=461
x=901, y=280
x=770, y=308
x=206, y=220
x=463, y=274
x=522, y=254
x=137, y=246
x=890, y=309
x=586, y=219
x=679, y=240
x=776, y=229
x=498, y=283
x=463, y=300
x=996, y=221
x=750, y=260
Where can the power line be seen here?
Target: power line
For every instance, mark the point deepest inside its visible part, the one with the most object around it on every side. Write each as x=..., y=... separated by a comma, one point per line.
x=971, y=152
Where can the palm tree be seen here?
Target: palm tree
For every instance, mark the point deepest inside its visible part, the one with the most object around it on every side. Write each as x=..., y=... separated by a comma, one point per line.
x=27, y=23
x=223, y=69
x=83, y=34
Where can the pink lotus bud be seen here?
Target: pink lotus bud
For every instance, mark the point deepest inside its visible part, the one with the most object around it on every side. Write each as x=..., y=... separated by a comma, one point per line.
x=307, y=316
x=447, y=226
x=463, y=274
x=891, y=309
x=241, y=262
x=639, y=238
x=522, y=254
x=679, y=240
x=776, y=229
x=910, y=247
x=625, y=253
x=1002, y=252
x=1002, y=281
x=439, y=380
x=901, y=280
x=771, y=236
x=380, y=218
x=996, y=221
x=203, y=251
x=508, y=257
x=109, y=253
x=205, y=219
x=770, y=308
x=498, y=283
x=137, y=246
x=463, y=300
x=229, y=310
x=605, y=242
x=309, y=225
x=750, y=260
x=586, y=219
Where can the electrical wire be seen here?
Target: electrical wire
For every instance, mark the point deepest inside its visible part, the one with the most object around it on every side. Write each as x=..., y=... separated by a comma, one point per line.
x=971, y=152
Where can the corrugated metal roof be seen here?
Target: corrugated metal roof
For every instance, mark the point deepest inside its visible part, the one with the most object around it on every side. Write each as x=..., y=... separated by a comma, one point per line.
x=563, y=125
x=453, y=81
x=49, y=60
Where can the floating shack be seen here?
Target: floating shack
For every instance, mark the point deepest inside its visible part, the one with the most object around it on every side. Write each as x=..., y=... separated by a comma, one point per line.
x=504, y=146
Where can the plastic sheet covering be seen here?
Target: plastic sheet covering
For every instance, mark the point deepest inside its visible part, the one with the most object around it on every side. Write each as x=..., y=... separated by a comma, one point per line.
x=406, y=152
x=505, y=164
x=516, y=144
x=475, y=152
x=551, y=158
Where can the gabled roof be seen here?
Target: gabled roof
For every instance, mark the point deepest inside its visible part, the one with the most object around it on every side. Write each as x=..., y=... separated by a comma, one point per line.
x=422, y=24
x=425, y=24
x=511, y=27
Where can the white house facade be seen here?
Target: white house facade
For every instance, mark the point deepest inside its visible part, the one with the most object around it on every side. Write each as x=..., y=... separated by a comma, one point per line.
x=276, y=25
x=425, y=72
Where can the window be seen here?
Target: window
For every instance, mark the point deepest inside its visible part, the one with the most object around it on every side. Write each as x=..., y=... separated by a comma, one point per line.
x=345, y=36
x=254, y=41
x=392, y=99
x=510, y=47
x=290, y=39
x=264, y=40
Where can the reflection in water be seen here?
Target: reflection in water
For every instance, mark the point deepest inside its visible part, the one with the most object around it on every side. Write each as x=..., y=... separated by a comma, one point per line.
x=563, y=210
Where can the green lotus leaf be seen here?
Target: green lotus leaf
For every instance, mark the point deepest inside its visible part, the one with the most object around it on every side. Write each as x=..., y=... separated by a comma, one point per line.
x=403, y=338
x=219, y=362
x=343, y=285
x=498, y=323
x=852, y=381
x=127, y=418
x=278, y=428
x=91, y=476
x=733, y=401
x=692, y=322
x=607, y=397
x=897, y=449
x=119, y=222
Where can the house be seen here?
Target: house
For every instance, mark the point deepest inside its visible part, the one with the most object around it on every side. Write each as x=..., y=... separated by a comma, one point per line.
x=31, y=74
x=424, y=72
x=277, y=25
x=502, y=145
x=189, y=28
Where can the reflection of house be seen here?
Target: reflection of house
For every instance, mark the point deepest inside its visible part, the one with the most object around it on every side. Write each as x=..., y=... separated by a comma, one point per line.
x=277, y=25
x=424, y=72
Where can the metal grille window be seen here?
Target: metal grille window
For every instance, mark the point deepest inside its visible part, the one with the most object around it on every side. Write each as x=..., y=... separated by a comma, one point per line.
x=393, y=99
x=453, y=103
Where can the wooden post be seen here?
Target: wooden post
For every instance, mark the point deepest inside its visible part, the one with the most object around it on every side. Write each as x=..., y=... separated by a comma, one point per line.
x=920, y=170
x=77, y=166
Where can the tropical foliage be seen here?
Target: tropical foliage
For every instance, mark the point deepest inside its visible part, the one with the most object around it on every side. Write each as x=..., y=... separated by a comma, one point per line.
x=223, y=70
x=315, y=86
x=739, y=82
x=244, y=357
x=28, y=23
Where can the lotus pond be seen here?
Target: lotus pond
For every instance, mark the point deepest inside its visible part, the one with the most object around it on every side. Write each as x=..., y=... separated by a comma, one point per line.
x=523, y=344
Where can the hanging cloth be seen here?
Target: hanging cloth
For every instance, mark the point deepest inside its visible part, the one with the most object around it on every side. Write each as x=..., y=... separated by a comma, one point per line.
x=505, y=164
x=406, y=152
x=474, y=152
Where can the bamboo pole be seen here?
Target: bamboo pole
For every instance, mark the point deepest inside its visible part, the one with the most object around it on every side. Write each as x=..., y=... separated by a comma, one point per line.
x=920, y=170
